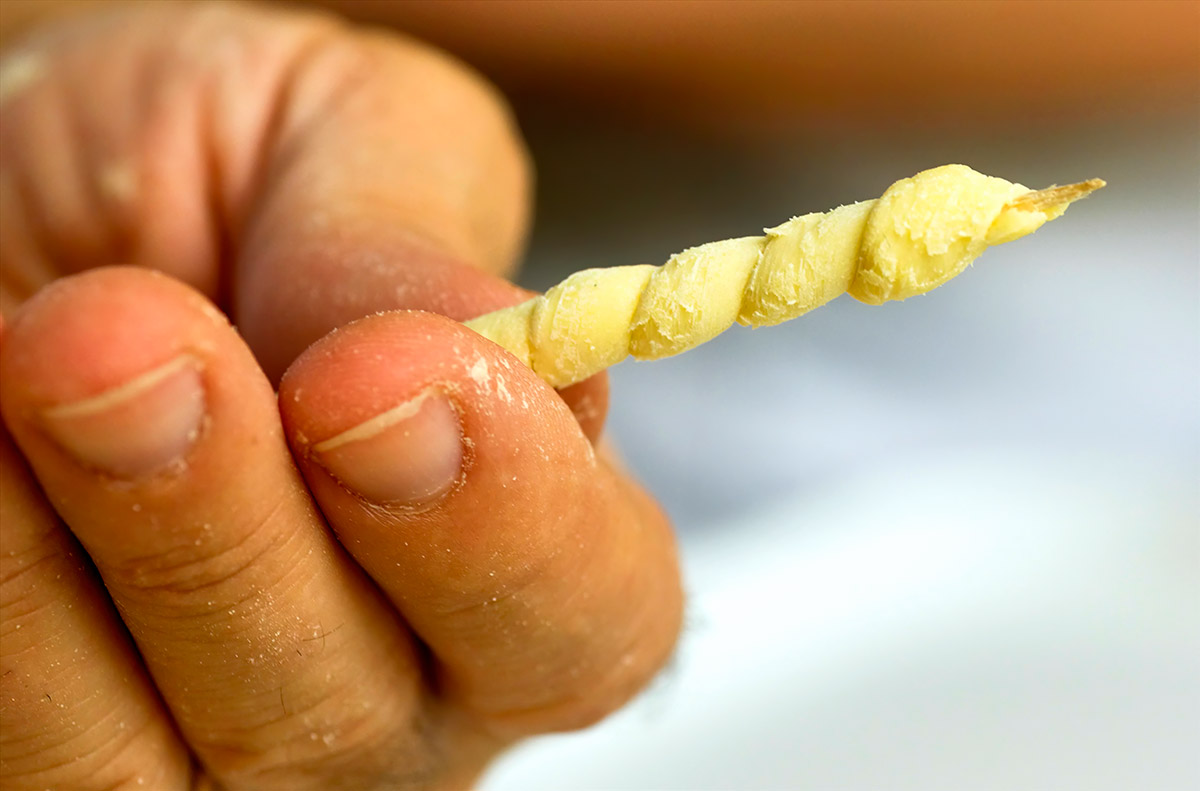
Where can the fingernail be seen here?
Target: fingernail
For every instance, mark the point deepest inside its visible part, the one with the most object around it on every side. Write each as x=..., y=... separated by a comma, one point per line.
x=143, y=426
x=411, y=454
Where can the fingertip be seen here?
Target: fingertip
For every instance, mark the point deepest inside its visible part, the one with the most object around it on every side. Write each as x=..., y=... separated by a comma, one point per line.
x=128, y=374
x=413, y=418
x=87, y=333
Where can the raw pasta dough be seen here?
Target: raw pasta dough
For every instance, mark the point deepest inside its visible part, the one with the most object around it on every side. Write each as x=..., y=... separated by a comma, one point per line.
x=921, y=233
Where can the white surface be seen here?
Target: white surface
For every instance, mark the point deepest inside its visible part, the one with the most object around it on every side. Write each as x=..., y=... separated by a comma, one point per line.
x=1085, y=334
x=945, y=544
x=1026, y=623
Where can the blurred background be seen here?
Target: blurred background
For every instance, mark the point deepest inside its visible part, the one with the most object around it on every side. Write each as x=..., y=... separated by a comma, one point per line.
x=950, y=543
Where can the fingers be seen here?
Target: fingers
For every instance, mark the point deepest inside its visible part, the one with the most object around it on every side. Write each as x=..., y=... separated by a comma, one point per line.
x=305, y=172
x=157, y=439
x=397, y=181
x=77, y=706
x=298, y=172
x=103, y=154
x=545, y=584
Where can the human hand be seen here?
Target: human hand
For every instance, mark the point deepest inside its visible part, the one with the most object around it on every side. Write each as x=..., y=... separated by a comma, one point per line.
x=492, y=576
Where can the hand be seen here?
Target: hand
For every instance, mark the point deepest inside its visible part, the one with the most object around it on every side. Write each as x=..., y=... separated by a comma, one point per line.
x=440, y=563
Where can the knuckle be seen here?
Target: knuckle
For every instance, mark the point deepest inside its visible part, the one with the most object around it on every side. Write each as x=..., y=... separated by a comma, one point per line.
x=208, y=566
x=575, y=699
x=596, y=655
x=369, y=751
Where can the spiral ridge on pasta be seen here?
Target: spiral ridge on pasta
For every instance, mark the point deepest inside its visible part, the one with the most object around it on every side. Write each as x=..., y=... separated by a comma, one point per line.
x=922, y=232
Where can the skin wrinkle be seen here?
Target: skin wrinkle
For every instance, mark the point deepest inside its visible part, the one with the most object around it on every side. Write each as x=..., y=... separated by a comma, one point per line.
x=113, y=243
x=157, y=62
x=354, y=71
x=285, y=141
x=200, y=21
x=55, y=626
x=84, y=172
x=152, y=77
x=275, y=147
x=587, y=707
x=30, y=595
x=27, y=196
x=128, y=574
x=214, y=189
x=23, y=266
x=350, y=741
x=357, y=66
x=355, y=737
x=45, y=547
x=289, y=136
x=113, y=741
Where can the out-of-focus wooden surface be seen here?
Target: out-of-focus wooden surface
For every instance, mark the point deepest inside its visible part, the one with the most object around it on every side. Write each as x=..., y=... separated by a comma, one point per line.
x=731, y=67
x=757, y=66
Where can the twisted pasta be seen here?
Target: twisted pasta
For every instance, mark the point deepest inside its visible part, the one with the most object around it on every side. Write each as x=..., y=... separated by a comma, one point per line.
x=922, y=232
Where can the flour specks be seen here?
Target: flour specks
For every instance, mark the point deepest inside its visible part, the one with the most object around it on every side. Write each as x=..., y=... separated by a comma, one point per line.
x=479, y=373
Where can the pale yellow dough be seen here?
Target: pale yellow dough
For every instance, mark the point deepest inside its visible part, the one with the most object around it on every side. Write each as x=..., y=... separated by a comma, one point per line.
x=921, y=233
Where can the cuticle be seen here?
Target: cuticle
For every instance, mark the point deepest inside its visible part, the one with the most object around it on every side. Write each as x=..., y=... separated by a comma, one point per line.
x=170, y=471
x=467, y=446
